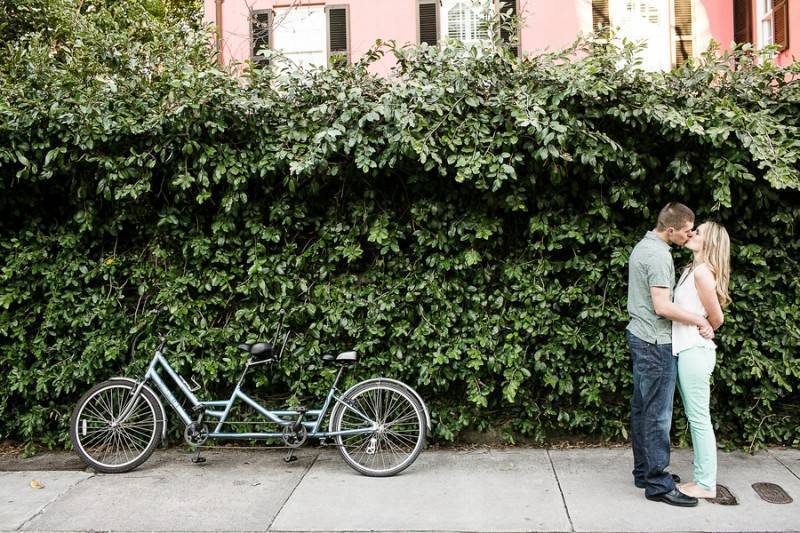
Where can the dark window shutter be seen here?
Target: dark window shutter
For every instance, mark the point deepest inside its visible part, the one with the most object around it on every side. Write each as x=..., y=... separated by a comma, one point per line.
x=743, y=21
x=683, y=51
x=338, y=41
x=600, y=17
x=509, y=7
x=428, y=22
x=683, y=35
x=260, y=33
x=683, y=18
x=781, y=22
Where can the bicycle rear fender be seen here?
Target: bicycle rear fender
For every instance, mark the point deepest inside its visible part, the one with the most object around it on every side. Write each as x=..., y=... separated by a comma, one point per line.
x=405, y=386
x=160, y=406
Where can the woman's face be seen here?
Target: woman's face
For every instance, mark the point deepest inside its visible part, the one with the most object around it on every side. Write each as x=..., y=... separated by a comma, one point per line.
x=695, y=244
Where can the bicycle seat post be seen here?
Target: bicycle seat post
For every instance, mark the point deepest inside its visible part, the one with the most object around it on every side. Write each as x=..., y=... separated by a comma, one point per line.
x=298, y=425
x=200, y=409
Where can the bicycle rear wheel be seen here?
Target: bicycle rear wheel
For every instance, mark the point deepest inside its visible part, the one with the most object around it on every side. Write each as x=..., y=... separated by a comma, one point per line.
x=104, y=443
x=398, y=438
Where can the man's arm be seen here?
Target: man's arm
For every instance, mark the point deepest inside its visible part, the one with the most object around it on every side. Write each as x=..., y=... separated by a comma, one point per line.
x=665, y=308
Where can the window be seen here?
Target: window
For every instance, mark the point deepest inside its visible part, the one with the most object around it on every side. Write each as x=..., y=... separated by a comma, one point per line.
x=260, y=34
x=299, y=33
x=642, y=8
x=774, y=23
x=311, y=35
x=646, y=22
x=765, y=9
x=466, y=20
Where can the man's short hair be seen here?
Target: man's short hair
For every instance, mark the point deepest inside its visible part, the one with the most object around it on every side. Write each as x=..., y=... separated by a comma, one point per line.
x=674, y=215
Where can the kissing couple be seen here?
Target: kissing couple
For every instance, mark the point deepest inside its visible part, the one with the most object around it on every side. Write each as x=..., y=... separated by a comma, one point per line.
x=670, y=334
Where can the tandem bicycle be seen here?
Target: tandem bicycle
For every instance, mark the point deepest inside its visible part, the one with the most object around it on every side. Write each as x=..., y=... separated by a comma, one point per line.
x=378, y=425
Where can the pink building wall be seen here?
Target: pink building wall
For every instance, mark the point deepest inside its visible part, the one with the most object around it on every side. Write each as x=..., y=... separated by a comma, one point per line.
x=546, y=24
x=550, y=25
x=713, y=19
x=381, y=19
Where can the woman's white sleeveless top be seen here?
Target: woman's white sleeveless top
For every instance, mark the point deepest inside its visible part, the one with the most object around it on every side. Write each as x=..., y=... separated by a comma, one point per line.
x=685, y=336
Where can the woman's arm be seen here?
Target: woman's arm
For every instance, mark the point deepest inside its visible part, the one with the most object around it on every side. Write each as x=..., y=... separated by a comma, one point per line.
x=707, y=290
x=672, y=311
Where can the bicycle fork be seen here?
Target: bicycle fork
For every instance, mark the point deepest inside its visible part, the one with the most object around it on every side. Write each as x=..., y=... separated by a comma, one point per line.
x=128, y=409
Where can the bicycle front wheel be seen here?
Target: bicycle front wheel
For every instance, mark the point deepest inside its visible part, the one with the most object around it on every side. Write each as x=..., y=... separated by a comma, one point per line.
x=397, y=428
x=103, y=441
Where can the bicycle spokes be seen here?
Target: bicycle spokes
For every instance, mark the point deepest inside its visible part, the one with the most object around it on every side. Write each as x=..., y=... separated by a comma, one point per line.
x=105, y=439
x=397, y=424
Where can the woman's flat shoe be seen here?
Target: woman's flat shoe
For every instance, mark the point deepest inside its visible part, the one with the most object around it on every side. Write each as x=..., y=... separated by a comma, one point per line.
x=694, y=490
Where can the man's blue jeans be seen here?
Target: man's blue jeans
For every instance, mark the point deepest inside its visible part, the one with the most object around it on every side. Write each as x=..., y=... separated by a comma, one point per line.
x=654, y=373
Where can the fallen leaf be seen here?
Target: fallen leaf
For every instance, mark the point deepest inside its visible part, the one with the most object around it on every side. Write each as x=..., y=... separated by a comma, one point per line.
x=36, y=485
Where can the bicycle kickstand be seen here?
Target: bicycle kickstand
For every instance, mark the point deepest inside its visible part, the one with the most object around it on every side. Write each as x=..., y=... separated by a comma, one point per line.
x=290, y=457
x=197, y=459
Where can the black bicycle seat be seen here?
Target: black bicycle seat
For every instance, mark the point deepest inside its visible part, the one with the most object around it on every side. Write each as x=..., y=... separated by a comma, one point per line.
x=256, y=348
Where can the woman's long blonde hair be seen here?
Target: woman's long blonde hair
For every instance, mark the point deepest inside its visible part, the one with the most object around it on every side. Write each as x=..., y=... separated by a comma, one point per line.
x=717, y=255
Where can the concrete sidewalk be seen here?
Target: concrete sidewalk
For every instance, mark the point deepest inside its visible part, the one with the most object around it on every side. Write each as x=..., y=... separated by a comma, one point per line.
x=514, y=489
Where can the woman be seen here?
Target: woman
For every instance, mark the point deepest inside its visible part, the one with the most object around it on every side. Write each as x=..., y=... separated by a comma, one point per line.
x=702, y=289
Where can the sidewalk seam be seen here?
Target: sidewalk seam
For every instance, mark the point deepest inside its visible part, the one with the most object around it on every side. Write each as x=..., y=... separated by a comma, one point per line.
x=563, y=499
x=302, y=477
x=45, y=506
x=784, y=464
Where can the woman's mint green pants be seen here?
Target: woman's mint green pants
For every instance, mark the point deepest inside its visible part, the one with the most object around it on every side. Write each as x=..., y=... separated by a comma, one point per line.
x=695, y=366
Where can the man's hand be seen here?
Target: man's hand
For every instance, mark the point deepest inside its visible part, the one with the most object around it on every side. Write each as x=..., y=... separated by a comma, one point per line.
x=705, y=329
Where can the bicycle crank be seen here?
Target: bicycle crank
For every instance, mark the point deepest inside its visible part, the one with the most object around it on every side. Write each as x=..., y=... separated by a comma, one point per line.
x=294, y=438
x=195, y=434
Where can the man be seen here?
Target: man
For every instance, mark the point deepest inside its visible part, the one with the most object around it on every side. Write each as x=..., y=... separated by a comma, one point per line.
x=651, y=279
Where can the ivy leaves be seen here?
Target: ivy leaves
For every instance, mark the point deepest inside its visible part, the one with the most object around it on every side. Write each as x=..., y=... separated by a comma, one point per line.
x=464, y=224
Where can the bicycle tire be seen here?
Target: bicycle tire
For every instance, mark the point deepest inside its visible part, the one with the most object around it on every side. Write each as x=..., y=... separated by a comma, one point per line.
x=383, y=401
x=99, y=441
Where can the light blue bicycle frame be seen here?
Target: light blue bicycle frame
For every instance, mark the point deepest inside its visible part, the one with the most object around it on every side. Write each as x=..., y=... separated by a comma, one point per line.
x=223, y=407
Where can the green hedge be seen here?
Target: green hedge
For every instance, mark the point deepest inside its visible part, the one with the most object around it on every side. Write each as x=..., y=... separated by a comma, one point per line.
x=464, y=224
